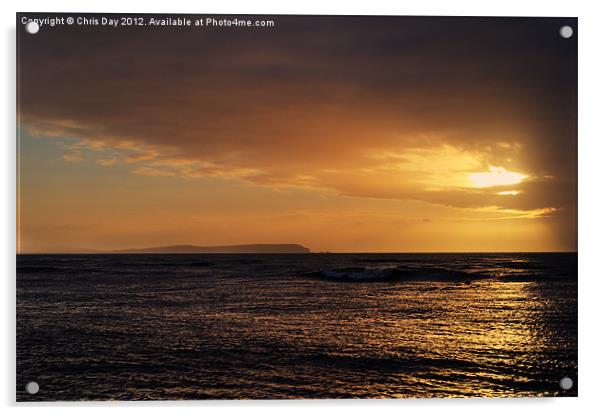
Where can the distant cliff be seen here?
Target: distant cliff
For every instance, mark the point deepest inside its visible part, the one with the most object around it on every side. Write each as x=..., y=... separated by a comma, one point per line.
x=224, y=249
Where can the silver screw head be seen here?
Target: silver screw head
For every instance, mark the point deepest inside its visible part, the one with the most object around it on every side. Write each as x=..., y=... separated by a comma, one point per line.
x=32, y=27
x=32, y=388
x=566, y=31
x=566, y=383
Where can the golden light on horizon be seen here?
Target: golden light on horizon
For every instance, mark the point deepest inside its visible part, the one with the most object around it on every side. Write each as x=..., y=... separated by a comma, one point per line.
x=496, y=176
x=509, y=193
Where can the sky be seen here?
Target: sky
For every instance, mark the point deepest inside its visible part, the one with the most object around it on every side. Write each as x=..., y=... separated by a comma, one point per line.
x=343, y=134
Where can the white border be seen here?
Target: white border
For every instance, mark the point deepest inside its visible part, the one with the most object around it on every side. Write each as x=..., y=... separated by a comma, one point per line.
x=590, y=206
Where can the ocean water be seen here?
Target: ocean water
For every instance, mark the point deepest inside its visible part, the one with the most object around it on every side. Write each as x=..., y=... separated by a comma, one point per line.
x=194, y=326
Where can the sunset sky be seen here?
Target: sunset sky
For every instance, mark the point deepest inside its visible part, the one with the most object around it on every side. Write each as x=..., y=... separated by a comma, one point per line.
x=344, y=134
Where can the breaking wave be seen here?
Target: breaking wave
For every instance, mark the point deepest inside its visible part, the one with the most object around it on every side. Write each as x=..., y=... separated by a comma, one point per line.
x=395, y=274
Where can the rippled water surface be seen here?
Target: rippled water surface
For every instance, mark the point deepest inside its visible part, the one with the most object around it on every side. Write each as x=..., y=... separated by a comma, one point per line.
x=294, y=326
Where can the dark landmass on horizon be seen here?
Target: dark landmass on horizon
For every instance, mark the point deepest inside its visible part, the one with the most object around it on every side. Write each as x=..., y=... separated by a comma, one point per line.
x=187, y=249
x=222, y=249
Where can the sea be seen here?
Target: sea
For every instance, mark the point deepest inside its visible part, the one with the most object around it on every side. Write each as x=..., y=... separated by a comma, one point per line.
x=295, y=326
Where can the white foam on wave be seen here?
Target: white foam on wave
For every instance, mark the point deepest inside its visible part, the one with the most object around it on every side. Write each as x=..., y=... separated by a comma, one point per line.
x=360, y=274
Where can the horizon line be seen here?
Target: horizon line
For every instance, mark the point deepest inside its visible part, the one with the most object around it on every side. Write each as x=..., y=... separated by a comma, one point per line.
x=120, y=252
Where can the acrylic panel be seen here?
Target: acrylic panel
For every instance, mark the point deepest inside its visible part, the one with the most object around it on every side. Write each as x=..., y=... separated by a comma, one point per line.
x=299, y=206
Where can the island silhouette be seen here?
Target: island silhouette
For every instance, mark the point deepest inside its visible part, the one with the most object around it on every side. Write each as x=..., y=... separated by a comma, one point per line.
x=221, y=249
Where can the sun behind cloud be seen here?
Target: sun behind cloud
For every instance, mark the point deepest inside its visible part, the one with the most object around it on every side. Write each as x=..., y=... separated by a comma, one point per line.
x=496, y=176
